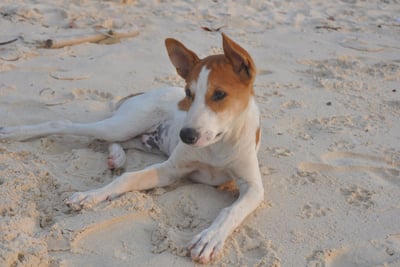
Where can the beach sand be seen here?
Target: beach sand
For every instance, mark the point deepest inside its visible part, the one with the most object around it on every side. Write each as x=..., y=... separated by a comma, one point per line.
x=328, y=87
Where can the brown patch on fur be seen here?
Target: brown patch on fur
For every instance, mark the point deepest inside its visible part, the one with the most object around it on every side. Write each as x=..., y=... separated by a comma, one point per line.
x=232, y=73
x=182, y=58
x=122, y=100
x=185, y=104
x=239, y=58
x=222, y=77
x=258, y=135
x=229, y=186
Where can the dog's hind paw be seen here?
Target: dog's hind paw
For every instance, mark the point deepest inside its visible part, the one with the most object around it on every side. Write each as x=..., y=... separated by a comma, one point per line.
x=116, y=157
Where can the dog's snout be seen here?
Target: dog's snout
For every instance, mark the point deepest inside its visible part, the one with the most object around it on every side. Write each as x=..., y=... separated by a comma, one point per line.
x=189, y=136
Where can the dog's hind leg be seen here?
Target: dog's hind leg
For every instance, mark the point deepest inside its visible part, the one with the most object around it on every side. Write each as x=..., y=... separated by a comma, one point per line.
x=112, y=129
x=135, y=116
x=123, y=125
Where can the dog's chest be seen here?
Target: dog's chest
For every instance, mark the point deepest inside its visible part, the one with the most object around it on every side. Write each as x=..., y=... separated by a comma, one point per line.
x=155, y=140
x=164, y=136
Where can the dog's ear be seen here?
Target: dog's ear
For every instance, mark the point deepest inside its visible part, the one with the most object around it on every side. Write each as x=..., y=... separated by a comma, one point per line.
x=240, y=60
x=182, y=58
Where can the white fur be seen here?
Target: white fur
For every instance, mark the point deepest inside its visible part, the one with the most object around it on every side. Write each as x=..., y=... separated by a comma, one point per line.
x=212, y=160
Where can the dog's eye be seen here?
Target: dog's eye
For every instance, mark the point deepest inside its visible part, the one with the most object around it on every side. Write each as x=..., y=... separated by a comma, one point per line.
x=218, y=95
x=188, y=93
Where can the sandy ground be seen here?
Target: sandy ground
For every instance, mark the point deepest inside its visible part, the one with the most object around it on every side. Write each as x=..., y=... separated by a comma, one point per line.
x=328, y=87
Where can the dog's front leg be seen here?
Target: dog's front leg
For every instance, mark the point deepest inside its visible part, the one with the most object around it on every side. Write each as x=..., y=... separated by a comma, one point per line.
x=207, y=245
x=157, y=175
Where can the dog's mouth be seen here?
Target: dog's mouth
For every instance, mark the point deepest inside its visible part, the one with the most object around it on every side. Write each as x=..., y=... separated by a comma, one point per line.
x=209, y=139
x=213, y=138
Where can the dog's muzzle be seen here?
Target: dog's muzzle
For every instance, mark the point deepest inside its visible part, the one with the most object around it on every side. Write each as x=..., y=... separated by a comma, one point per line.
x=189, y=136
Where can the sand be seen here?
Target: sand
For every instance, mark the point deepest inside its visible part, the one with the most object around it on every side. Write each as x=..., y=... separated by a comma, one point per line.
x=328, y=87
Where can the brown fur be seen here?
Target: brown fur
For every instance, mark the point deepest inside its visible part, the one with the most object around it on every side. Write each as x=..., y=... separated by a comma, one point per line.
x=258, y=135
x=122, y=100
x=185, y=104
x=233, y=73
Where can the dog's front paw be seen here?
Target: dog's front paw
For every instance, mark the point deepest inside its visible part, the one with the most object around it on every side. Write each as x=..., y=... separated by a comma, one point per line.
x=80, y=200
x=206, y=246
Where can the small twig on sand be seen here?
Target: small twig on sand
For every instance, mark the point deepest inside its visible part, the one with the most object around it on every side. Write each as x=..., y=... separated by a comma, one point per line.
x=213, y=29
x=95, y=38
x=327, y=27
x=389, y=25
x=58, y=77
x=9, y=42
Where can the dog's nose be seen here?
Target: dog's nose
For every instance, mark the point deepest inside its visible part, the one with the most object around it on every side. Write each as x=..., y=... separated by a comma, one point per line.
x=189, y=136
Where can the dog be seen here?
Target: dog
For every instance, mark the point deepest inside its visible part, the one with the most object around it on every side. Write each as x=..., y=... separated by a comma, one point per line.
x=210, y=130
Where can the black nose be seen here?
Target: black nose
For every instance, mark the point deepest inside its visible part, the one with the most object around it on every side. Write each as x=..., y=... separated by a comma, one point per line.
x=189, y=135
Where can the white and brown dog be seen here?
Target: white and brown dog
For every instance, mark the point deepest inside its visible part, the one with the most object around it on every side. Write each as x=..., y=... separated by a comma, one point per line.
x=210, y=130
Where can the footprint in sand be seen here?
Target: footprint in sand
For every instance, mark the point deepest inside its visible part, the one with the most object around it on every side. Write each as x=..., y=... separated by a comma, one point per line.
x=54, y=99
x=361, y=45
x=358, y=196
x=313, y=209
x=172, y=80
x=41, y=13
x=383, y=252
x=381, y=168
x=250, y=247
x=115, y=233
x=185, y=212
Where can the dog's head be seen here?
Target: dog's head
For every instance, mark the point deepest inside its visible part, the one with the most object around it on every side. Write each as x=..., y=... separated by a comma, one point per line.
x=218, y=90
